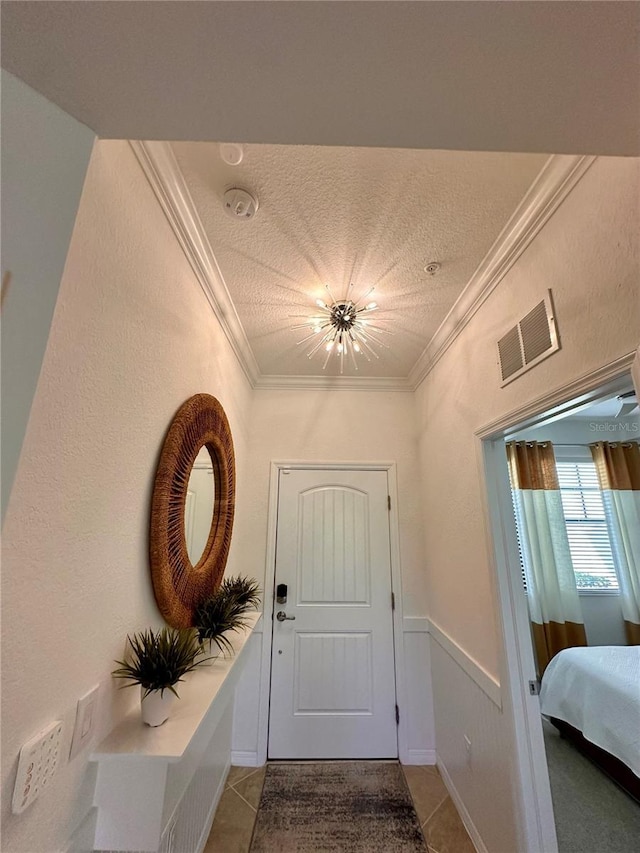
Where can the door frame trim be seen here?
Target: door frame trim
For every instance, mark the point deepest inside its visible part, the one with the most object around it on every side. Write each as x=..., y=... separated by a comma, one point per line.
x=396, y=587
x=536, y=825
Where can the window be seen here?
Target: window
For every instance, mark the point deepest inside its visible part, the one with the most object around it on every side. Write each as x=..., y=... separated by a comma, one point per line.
x=587, y=531
x=586, y=526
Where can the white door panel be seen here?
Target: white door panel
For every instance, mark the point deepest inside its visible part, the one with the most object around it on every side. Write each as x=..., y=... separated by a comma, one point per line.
x=333, y=675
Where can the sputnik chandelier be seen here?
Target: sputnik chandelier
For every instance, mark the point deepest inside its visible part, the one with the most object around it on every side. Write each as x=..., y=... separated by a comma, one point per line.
x=342, y=327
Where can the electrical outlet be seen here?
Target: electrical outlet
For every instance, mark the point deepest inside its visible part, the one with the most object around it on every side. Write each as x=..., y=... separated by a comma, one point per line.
x=39, y=759
x=85, y=721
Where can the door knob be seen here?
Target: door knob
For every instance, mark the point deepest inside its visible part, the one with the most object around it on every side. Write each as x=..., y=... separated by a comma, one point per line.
x=281, y=616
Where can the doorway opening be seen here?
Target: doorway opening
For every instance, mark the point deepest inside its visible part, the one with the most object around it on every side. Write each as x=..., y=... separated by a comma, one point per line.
x=553, y=799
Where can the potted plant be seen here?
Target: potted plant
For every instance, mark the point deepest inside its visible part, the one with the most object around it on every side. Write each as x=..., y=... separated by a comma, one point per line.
x=225, y=611
x=158, y=660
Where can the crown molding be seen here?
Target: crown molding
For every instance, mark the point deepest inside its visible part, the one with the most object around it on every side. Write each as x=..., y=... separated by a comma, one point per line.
x=272, y=382
x=558, y=177
x=556, y=180
x=161, y=169
x=167, y=181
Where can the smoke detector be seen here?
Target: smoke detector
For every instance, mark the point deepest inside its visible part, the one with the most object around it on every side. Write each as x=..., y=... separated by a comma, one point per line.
x=240, y=204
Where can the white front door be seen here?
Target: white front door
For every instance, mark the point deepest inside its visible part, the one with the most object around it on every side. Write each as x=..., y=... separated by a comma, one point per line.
x=333, y=674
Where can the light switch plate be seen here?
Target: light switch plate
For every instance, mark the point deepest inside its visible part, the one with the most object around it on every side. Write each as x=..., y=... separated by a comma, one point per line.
x=39, y=759
x=85, y=720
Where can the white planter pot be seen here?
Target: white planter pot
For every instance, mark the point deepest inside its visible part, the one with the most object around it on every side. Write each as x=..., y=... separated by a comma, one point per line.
x=156, y=706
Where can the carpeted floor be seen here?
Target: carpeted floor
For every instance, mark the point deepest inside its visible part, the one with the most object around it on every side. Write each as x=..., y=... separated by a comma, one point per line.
x=591, y=812
x=356, y=806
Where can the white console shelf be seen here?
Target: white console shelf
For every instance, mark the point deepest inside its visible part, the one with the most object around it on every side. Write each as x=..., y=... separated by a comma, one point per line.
x=157, y=788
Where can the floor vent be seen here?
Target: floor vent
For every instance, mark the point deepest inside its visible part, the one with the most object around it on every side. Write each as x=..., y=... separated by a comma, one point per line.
x=530, y=341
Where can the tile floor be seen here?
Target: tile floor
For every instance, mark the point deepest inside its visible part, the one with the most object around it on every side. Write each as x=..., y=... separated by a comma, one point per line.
x=236, y=814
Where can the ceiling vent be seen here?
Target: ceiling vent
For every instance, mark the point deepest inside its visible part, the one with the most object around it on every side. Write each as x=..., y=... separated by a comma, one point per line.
x=530, y=341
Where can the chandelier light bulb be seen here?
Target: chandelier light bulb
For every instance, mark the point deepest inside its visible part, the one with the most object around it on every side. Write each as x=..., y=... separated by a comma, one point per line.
x=343, y=330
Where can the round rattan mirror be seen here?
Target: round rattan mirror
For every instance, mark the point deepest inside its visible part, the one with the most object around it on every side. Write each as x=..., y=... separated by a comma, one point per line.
x=180, y=586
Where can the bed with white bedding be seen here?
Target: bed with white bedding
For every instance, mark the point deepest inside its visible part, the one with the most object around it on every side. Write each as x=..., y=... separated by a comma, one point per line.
x=596, y=690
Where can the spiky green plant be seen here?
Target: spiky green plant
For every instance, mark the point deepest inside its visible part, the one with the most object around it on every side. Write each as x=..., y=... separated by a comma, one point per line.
x=225, y=610
x=159, y=660
x=215, y=616
x=244, y=590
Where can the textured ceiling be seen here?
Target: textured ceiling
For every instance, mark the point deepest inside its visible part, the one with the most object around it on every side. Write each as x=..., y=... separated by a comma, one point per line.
x=331, y=216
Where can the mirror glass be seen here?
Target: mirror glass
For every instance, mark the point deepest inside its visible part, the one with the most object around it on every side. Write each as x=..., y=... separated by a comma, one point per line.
x=198, y=508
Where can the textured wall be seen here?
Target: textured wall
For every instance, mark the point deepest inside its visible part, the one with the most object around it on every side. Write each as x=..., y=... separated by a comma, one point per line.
x=339, y=426
x=133, y=336
x=45, y=154
x=342, y=426
x=588, y=254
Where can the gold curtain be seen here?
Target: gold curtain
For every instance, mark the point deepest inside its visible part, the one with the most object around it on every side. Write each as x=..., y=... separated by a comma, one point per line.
x=532, y=465
x=618, y=467
x=554, y=605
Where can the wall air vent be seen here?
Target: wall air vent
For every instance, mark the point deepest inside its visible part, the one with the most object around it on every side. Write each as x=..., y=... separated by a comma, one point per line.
x=530, y=341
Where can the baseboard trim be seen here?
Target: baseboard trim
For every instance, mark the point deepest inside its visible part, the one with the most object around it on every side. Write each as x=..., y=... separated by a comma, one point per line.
x=486, y=682
x=245, y=758
x=418, y=756
x=469, y=825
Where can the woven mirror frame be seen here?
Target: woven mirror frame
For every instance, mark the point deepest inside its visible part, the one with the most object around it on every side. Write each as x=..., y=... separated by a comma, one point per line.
x=178, y=585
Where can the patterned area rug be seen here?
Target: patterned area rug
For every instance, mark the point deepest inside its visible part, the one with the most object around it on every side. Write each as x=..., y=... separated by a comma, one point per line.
x=336, y=807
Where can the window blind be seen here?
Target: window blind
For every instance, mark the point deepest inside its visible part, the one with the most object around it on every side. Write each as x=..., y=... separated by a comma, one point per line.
x=586, y=526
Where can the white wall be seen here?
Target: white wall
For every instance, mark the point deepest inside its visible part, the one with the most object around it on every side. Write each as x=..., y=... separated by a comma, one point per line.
x=588, y=254
x=344, y=426
x=133, y=336
x=603, y=620
x=339, y=426
x=45, y=154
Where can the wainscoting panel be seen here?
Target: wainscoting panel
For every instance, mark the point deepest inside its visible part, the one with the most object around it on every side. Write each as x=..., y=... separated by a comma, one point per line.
x=244, y=744
x=479, y=776
x=415, y=699
x=417, y=737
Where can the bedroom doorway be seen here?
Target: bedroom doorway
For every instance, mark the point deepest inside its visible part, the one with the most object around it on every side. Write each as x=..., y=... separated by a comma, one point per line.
x=538, y=753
